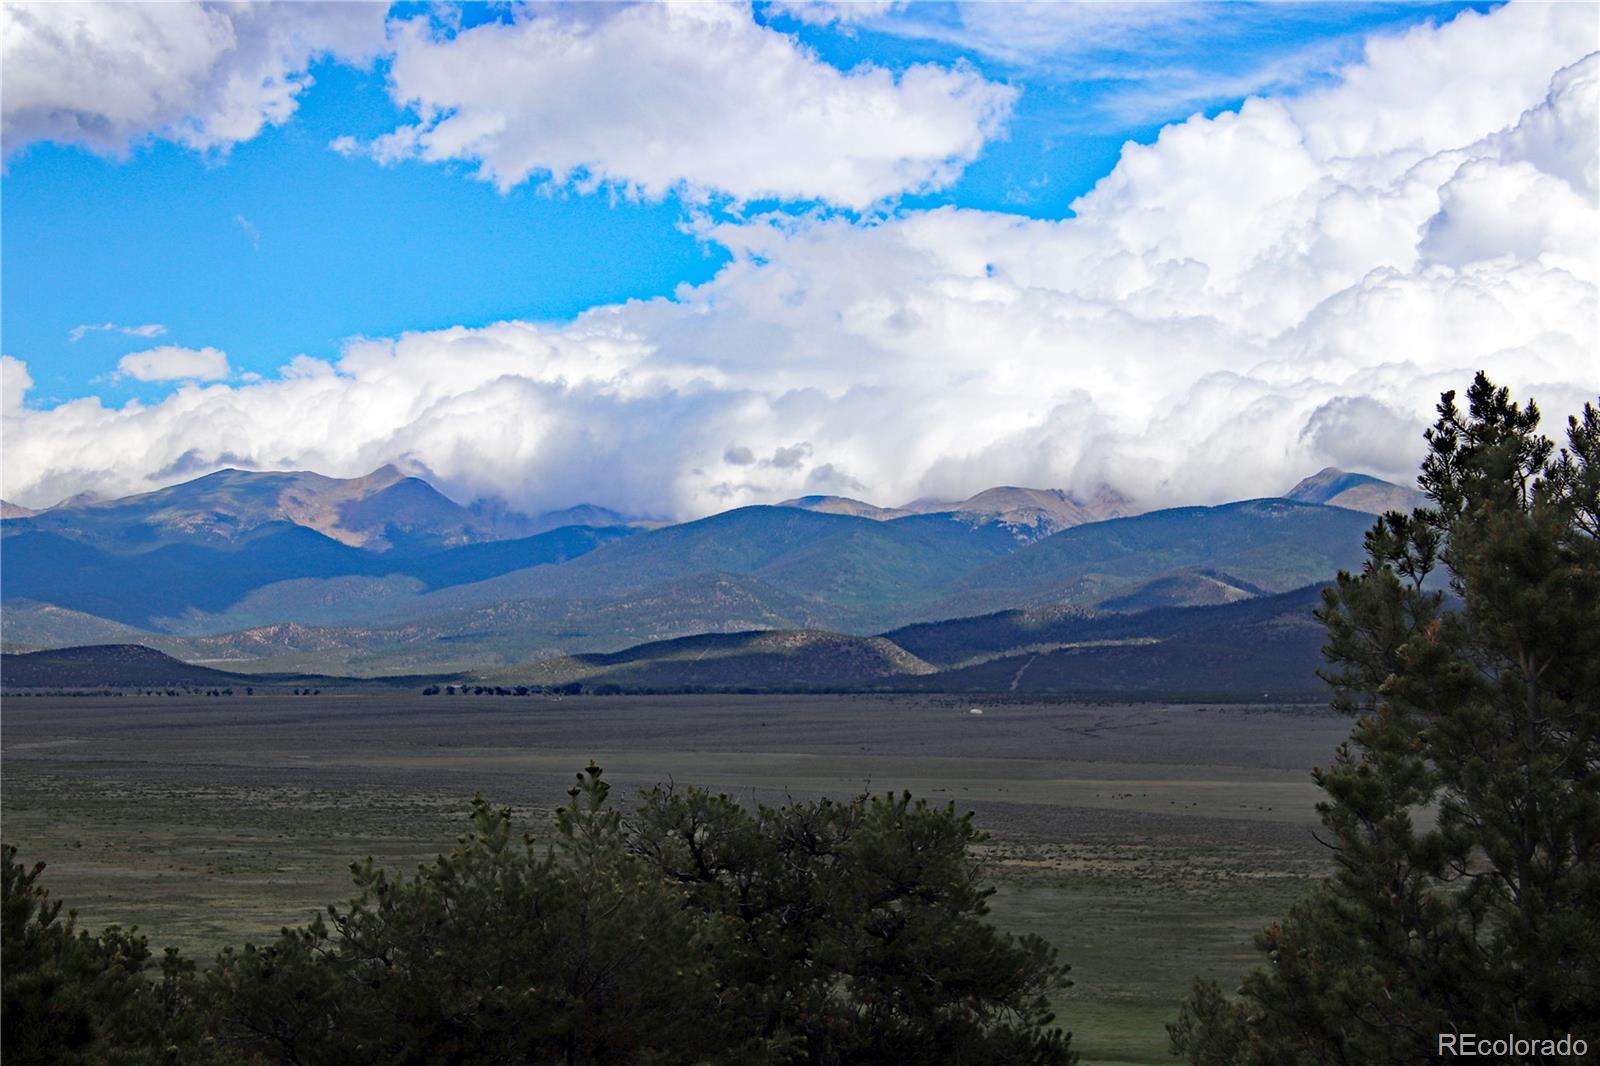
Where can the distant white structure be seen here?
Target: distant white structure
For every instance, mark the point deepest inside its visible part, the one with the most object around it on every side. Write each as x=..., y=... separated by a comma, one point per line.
x=976, y=710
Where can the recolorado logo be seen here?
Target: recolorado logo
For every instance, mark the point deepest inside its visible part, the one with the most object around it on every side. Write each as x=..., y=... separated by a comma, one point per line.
x=1471, y=1044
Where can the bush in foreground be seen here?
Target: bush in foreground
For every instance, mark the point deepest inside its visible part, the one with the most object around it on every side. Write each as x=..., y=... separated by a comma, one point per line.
x=70, y=996
x=696, y=931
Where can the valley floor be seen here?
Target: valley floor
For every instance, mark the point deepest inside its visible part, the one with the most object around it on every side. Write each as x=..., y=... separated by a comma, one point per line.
x=1148, y=841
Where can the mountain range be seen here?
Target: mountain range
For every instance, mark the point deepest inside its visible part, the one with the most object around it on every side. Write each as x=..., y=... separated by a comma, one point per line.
x=381, y=511
x=1266, y=648
x=384, y=574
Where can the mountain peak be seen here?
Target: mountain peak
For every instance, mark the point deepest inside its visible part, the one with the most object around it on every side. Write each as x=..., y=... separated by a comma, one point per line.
x=228, y=506
x=847, y=506
x=1354, y=491
x=78, y=499
x=388, y=473
x=1036, y=513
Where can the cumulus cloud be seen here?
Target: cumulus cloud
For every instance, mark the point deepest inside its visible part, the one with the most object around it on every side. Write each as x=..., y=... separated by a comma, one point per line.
x=1241, y=302
x=149, y=329
x=107, y=75
x=680, y=97
x=171, y=363
x=15, y=381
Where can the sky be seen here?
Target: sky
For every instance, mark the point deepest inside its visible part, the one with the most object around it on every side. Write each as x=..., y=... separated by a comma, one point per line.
x=678, y=258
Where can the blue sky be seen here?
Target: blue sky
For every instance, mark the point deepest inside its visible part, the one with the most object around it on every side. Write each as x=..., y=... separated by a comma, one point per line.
x=279, y=246
x=672, y=259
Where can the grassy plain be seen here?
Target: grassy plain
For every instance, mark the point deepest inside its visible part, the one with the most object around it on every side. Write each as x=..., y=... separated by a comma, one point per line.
x=1148, y=841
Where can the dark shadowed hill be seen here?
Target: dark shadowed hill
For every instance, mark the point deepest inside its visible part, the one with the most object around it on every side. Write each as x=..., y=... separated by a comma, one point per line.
x=1199, y=587
x=171, y=579
x=478, y=562
x=287, y=572
x=1265, y=647
x=108, y=666
x=959, y=641
x=774, y=659
x=114, y=666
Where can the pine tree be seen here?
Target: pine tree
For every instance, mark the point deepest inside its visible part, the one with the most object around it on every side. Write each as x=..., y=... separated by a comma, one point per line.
x=854, y=933
x=1464, y=811
x=500, y=951
x=70, y=996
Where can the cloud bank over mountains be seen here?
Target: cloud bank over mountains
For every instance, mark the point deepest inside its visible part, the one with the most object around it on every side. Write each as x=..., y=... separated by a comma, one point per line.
x=1246, y=299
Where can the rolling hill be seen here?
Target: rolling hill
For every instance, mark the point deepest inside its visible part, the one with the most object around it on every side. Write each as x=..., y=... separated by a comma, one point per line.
x=964, y=641
x=1271, y=544
x=273, y=572
x=30, y=626
x=173, y=578
x=474, y=638
x=854, y=572
x=1199, y=587
x=109, y=666
x=1268, y=647
x=769, y=659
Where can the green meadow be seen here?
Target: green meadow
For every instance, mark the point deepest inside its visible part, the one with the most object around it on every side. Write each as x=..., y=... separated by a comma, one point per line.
x=1148, y=841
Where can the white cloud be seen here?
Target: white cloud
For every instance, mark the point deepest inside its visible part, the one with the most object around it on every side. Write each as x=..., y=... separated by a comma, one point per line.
x=1160, y=60
x=1145, y=62
x=1030, y=32
x=107, y=75
x=1407, y=97
x=1236, y=305
x=249, y=229
x=15, y=381
x=834, y=12
x=171, y=363
x=149, y=329
x=697, y=97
